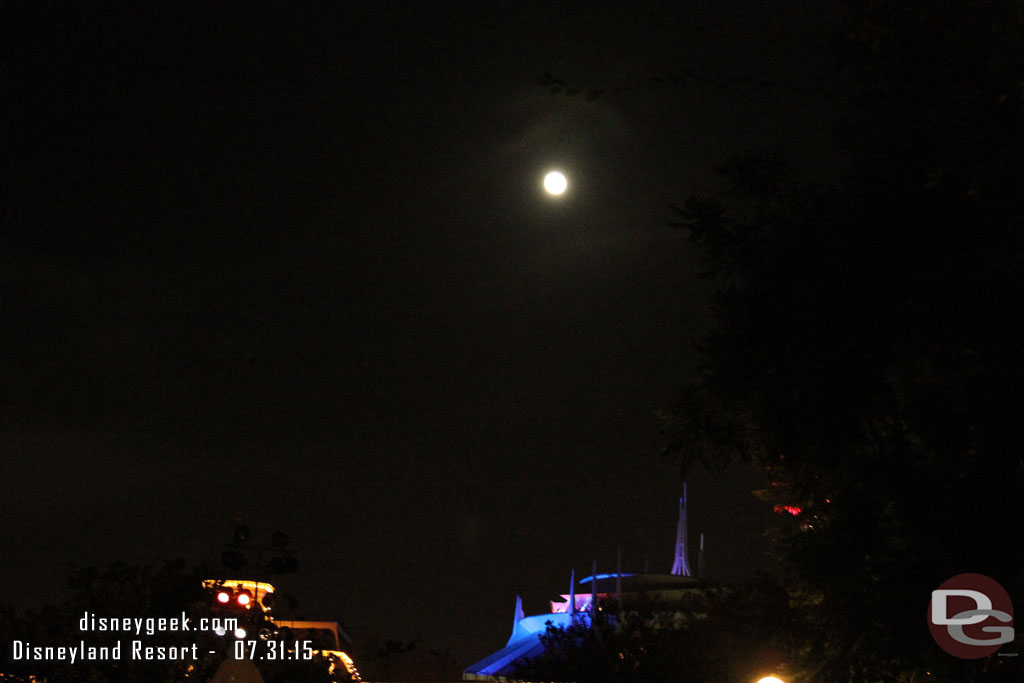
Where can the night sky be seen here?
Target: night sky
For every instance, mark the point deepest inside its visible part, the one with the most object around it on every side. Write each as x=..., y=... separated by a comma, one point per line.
x=294, y=261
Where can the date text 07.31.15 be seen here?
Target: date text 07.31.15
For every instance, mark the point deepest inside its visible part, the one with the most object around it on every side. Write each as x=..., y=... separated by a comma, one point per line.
x=274, y=650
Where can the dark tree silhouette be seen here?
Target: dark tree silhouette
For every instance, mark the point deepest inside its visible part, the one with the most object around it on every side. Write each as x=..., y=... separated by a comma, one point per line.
x=718, y=636
x=867, y=347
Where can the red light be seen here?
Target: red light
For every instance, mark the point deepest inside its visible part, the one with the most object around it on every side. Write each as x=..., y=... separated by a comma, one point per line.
x=791, y=509
x=243, y=599
x=223, y=598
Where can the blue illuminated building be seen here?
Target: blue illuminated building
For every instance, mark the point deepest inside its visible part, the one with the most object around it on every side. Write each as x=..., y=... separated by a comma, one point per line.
x=626, y=590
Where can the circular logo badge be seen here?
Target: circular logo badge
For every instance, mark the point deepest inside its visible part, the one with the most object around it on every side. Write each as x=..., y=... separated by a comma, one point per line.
x=970, y=616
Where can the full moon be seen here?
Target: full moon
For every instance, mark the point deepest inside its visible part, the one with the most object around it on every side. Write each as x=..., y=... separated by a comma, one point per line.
x=555, y=183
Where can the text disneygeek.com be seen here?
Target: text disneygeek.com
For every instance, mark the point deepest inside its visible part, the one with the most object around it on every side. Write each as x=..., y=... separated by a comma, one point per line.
x=153, y=625
x=135, y=649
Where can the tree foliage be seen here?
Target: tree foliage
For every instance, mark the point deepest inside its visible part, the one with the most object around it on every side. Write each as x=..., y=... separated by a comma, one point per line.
x=718, y=636
x=867, y=345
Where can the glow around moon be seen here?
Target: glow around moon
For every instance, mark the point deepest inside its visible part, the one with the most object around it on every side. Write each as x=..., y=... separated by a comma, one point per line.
x=555, y=183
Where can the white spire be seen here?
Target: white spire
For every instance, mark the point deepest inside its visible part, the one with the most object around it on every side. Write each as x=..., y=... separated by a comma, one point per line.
x=572, y=592
x=681, y=566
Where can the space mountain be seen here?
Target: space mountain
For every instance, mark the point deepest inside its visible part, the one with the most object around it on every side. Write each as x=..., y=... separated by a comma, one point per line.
x=626, y=590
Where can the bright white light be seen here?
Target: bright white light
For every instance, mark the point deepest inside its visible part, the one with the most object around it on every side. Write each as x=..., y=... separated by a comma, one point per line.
x=771, y=679
x=239, y=632
x=555, y=183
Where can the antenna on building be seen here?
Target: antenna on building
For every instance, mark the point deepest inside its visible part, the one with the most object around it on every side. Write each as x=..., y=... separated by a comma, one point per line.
x=700, y=557
x=618, y=580
x=681, y=566
x=572, y=592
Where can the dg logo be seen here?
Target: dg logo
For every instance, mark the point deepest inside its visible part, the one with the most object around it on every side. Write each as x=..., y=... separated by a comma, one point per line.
x=970, y=616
